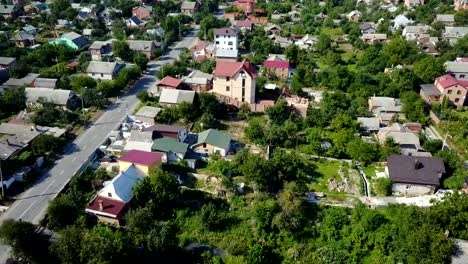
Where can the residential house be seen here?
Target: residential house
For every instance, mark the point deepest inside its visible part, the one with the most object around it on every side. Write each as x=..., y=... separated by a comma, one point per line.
x=401, y=21
x=7, y=62
x=142, y=12
x=8, y=10
x=100, y=70
x=72, y=40
x=189, y=8
x=413, y=3
x=23, y=39
x=246, y=5
x=412, y=33
x=63, y=23
x=226, y=43
x=112, y=201
x=147, y=47
x=402, y=135
x=453, y=34
x=171, y=97
x=414, y=176
x=307, y=42
x=211, y=141
x=461, y=4
x=244, y=25
x=167, y=82
x=374, y=38
x=199, y=51
x=147, y=114
x=445, y=19
x=277, y=65
x=281, y=41
x=273, y=29
x=367, y=28
x=235, y=80
x=58, y=97
x=446, y=86
x=385, y=108
x=4, y=76
x=370, y=125
x=139, y=140
x=30, y=29
x=458, y=69
x=37, y=7
x=143, y=160
x=354, y=16
x=26, y=81
x=48, y=83
x=198, y=81
x=99, y=49
x=134, y=22
x=174, y=149
x=178, y=133
x=88, y=33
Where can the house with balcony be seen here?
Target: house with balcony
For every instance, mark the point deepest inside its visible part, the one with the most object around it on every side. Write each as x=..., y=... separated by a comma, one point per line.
x=235, y=80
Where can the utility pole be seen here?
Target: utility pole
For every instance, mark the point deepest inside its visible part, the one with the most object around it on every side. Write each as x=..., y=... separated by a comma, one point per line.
x=82, y=106
x=1, y=181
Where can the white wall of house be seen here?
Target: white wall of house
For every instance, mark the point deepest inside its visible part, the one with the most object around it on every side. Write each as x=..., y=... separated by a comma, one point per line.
x=240, y=87
x=226, y=42
x=412, y=189
x=182, y=135
x=101, y=76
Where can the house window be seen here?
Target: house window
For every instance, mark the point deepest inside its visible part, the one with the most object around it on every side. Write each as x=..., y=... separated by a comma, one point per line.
x=228, y=88
x=243, y=91
x=217, y=36
x=230, y=43
x=449, y=91
x=102, y=74
x=109, y=194
x=204, y=145
x=217, y=42
x=243, y=82
x=458, y=92
x=457, y=100
x=408, y=187
x=462, y=75
x=227, y=79
x=94, y=74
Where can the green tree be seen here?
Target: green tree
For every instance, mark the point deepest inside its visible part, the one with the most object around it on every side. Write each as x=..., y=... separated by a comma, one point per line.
x=428, y=68
x=324, y=43
x=67, y=247
x=383, y=186
x=122, y=50
x=62, y=212
x=279, y=113
x=104, y=246
x=81, y=82
x=362, y=151
x=140, y=60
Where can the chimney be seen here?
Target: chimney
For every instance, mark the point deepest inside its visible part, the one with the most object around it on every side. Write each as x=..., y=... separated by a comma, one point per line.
x=101, y=205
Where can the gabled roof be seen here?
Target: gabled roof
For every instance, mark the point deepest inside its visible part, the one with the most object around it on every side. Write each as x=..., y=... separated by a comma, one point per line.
x=447, y=81
x=215, y=138
x=135, y=20
x=148, y=111
x=78, y=39
x=169, y=81
x=141, y=45
x=456, y=66
x=174, y=96
x=225, y=32
x=164, y=128
x=101, y=67
x=229, y=68
x=6, y=9
x=167, y=144
x=6, y=60
x=141, y=157
x=244, y=23
x=54, y=96
x=415, y=170
x=188, y=5
x=445, y=18
x=110, y=207
x=99, y=44
x=121, y=186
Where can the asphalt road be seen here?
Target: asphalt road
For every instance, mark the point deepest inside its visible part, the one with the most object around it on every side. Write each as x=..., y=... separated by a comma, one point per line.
x=31, y=205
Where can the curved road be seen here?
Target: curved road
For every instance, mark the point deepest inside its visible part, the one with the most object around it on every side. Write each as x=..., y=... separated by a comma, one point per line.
x=31, y=205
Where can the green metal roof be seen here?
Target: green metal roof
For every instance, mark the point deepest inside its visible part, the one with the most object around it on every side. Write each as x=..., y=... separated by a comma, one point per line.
x=215, y=137
x=167, y=144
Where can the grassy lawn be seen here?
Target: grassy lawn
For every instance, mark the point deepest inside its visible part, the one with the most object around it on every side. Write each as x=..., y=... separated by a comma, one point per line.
x=370, y=170
x=326, y=170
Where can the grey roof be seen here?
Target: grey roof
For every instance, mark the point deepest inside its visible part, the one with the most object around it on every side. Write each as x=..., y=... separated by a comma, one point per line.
x=214, y=137
x=148, y=111
x=225, y=32
x=167, y=144
x=455, y=31
x=445, y=18
x=140, y=136
x=23, y=35
x=164, y=128
x=45, y=83
x=369, y=123
x=54, y=96
x=374, y=36
x=99, y=44
x=29, y=28
x=141, y=45
x=173, y=96
x=386, y=104
x=420, y=29
x=198, y=77
x=101, y=67
x=404, y=138
x=456, y=66
x=6, y=9
x=135, y=20
x=78, y=39
x=188, y=5
x=26, y=80
x=415, y=170
x=430, y=89
x=6, y=60
x=225, y=53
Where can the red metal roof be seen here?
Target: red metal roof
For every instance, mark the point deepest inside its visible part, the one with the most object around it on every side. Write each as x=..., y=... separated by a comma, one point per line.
x=447, y=81
x=229, y=68
x=245, y=1
x=276, y=64
x=141, y=157
x=109, y=206
x=170, y=82
x=244, y=23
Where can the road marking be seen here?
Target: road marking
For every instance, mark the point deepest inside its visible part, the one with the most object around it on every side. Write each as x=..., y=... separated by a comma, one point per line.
x=27, y=209
x=48, y=186
x=62, y=172
x=74, y=159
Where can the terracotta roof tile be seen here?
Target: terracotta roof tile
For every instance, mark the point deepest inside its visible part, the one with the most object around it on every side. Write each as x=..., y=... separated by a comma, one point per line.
x=228, y=68
x=111, y=207
x=447, y=81
x=170, y=82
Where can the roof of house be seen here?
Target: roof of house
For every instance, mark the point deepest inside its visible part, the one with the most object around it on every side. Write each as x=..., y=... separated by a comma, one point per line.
x=26, y=80
x=99, y=44
x=455, y=31
x=188, y=5
x=244, y=23
x=215, y=138
x=6, y=60
x=148, y=111
x=369, y=123
x=141, y=45
x=415, y=170
x=135, y=20
x=45, y=83
x=387, y=104
x=54, y=96
x=78, y=39
x=276, y=64
x=167, y=144
x=374, y=36
x=226, y=53
x=121, y=185
x=164, y=128
x=169, y=81
x=139, y=140
x=141, y=157
x=110, y=207
x=447, y=81
x=445, y=18
x=101, y=67
x=174, y=96
x=23, y=35
x=198, y=77
x=456, y=66
x=420, y=29
x=367, y=25
x=225, y=32
x=404, y=138
x=229, y=68
x=430, y=89
x=6, y=9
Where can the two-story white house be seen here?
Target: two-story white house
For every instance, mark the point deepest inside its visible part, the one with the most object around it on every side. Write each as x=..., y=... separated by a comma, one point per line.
x=226, y=43
x=235, y=80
